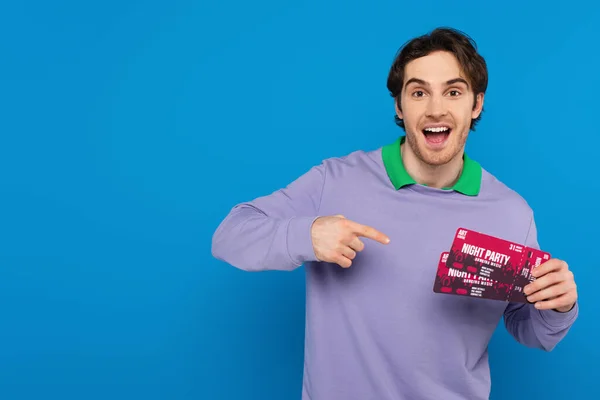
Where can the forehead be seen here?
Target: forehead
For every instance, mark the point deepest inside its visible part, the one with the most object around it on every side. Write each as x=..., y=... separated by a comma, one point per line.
x=435, y=68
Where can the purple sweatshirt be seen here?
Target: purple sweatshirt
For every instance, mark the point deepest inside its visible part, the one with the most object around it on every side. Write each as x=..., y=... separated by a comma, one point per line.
x=377, y=330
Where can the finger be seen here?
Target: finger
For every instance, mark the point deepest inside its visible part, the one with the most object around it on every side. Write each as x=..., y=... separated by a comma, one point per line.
x=342, y=261
x=543, y=282
x=348, y=252
x=356, y=244
x=547, y=267
x=566, y=299
x=369, y=232
x=550, y=292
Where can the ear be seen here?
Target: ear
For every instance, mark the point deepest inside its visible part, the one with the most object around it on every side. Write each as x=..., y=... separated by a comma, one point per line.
x=478, y=106
x=398, y=111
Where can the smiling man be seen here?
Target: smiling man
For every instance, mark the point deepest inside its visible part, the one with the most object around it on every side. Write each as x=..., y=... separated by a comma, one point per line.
x=370, y=227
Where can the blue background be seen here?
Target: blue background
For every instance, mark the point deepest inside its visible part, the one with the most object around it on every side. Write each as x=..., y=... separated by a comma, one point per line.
x=129, y=129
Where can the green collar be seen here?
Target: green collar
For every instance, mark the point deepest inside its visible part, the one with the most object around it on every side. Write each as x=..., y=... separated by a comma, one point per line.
x=469, y=182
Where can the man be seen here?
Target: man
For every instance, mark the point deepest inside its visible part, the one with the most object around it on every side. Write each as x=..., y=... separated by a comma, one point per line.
x=370, y=227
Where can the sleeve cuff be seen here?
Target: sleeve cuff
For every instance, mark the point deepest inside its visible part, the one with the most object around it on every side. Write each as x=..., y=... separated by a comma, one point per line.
x=299, y=241
x=557, y=319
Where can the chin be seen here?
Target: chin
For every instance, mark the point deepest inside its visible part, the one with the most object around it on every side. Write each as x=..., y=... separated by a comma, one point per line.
x=437, y=159
x=435, y=149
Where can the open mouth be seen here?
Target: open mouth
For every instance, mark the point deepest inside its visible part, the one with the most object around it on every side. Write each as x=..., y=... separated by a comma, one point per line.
x=437, y=135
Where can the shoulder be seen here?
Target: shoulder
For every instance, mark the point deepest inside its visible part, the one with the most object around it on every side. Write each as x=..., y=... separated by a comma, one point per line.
x=357, y=159
x=508, y=199
x=355, y=163
x=358, y=165
x=353, y=174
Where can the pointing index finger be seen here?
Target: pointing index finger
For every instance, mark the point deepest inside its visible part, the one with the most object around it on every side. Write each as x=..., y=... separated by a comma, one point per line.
x=371, y=233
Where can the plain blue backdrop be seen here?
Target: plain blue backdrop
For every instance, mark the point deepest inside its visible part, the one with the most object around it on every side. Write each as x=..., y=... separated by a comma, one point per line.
x=130, y=128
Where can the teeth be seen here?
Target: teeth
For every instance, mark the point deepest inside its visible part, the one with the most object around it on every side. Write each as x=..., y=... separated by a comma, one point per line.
x=439, y=129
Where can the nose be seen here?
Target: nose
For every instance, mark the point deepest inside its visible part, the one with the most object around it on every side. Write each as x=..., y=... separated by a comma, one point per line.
x=436, y=107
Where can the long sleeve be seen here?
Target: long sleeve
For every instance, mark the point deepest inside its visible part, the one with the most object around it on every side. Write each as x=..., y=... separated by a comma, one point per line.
x=272, y=232
x=542, y=329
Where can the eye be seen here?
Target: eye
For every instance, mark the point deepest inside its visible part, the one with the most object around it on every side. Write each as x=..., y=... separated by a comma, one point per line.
x=418, y=93
x=454, y=93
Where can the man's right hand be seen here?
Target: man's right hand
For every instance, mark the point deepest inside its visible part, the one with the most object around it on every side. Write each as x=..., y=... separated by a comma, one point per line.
x=337, y=239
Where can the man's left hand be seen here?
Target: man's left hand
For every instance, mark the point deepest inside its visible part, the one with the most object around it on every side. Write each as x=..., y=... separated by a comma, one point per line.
x=554, y=287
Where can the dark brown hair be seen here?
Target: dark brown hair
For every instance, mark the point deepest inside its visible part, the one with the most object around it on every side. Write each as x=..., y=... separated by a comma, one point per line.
x=440, y=39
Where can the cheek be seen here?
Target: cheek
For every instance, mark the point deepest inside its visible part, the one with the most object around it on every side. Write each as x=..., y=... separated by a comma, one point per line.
x=412, y=112
x=462, y=114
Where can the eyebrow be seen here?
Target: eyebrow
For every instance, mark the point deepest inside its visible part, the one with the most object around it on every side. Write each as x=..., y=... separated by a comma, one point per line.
x=423, y=83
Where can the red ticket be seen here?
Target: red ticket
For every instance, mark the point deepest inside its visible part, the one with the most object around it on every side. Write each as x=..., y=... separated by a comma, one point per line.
x=484, y=266
x=494, y=258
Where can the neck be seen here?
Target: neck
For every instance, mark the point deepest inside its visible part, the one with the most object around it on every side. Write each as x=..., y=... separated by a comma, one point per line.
x=435, y=176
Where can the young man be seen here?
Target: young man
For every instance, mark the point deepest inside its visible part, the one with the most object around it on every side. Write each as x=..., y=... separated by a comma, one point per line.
x=370, y=227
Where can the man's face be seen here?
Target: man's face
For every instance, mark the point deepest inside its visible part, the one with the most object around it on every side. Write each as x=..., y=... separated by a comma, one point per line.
x=437, y=107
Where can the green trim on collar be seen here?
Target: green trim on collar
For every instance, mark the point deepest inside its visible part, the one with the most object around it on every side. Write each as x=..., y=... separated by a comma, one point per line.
x=469, y=182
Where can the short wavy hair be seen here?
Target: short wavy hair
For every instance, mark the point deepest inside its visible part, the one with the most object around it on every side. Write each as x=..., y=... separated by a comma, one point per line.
x=451, y=40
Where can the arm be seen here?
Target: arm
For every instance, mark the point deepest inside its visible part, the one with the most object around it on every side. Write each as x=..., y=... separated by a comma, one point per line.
x=272, y=232
x=542, y=329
